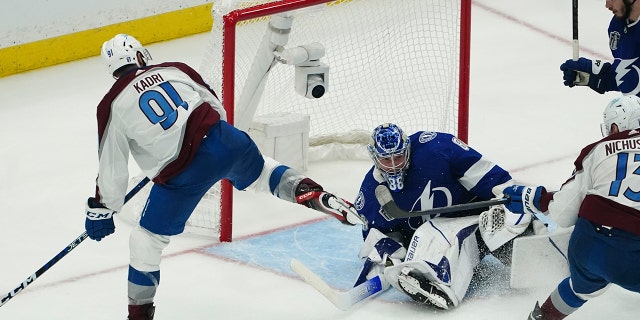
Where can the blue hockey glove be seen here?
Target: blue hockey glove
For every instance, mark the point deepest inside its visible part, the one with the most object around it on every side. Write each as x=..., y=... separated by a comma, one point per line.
x=99, y=222
x=524, y=199
x=596, y=74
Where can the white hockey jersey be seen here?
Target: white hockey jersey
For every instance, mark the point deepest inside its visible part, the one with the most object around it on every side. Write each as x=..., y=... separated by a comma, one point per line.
x=159, y=114
x=605, y=185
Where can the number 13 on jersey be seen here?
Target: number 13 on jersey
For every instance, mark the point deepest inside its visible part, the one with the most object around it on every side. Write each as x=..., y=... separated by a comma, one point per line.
x=623, y=170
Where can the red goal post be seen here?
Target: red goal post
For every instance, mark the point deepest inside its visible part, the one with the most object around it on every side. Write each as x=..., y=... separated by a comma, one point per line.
x=424, y=44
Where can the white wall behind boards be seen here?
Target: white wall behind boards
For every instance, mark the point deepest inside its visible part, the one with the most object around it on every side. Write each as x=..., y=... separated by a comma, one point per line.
x=23, y=21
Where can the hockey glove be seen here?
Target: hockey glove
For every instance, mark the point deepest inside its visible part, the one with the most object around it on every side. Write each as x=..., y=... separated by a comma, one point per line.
x=498, y=226
x=524, y=199
x=310, y=194
x=99, y=221
x=326, y=202
x=596, y=74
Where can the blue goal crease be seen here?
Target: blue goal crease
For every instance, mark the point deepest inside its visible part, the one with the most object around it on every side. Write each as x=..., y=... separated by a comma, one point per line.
x=327, y=247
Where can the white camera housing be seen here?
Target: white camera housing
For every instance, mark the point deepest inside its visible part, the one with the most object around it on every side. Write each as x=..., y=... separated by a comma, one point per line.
x=311, y=78
x=312, y=81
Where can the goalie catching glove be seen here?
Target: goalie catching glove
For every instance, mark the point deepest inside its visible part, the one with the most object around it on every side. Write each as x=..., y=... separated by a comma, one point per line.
x=99, y=221
x=499, y=225
x=311, y=194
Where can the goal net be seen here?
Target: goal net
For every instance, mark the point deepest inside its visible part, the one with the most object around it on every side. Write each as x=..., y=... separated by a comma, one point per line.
x=400, y=61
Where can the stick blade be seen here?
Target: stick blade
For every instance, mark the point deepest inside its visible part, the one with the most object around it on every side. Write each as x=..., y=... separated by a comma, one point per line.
x=320, y=285
x=342, y=300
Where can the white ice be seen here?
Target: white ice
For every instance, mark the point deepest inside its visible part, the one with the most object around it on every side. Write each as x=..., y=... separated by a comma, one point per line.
x=521, y=117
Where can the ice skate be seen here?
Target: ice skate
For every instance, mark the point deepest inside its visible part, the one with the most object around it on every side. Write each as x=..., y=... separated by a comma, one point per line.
x=141, y=312
x=536, y=314
x=420, y=289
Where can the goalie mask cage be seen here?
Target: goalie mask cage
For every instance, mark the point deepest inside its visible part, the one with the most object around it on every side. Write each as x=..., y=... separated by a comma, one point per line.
x=401, y=61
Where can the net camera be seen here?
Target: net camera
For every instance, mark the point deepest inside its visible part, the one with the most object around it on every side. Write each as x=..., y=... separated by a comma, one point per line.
x=311, y=81
x=311, y=75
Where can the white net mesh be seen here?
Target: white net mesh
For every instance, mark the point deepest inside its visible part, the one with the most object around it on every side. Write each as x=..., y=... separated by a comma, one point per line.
x=390, y=61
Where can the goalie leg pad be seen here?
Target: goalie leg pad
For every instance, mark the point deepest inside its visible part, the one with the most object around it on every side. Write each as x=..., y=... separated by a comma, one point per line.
x=378, y=252
x=444, y=251
x=379, y=247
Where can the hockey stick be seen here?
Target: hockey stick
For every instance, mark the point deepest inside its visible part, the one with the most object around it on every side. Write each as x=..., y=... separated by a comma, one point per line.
x=64, y=252
x=575, y=45
x=582, y=78
x=392, y=211
x=341, y=299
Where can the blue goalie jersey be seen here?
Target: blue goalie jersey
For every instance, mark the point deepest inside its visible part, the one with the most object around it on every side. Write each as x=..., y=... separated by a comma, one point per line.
x=443, y=171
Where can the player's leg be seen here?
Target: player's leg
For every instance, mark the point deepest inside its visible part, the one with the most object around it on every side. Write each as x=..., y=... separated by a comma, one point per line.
x=586, y=257
x=144, y=272
x=166, y=211
x=439, y=263
x=249, y=170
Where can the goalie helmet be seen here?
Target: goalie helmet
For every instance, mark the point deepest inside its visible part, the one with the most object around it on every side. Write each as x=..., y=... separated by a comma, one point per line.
x=123, y=50
x=624, y=112
x=390, y=150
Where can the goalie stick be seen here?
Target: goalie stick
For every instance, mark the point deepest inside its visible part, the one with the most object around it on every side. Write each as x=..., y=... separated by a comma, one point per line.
x=341, y=299
x=392, y=211
x=64, y=252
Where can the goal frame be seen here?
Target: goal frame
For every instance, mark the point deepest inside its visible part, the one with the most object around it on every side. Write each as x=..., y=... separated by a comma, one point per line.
x=231, y=19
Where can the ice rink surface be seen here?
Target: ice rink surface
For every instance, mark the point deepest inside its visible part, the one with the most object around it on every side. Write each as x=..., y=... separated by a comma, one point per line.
x=521, y=116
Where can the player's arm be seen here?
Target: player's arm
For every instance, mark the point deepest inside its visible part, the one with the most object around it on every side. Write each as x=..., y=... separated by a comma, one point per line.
x=113, y=170
x=476, y=173
x=111, y=185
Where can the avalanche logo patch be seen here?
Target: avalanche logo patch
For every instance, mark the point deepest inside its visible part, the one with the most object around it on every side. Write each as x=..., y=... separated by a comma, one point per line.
x=427, y=136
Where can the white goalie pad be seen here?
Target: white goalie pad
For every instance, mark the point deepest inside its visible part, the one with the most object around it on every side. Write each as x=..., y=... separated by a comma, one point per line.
x=499, y=225
x=446, y=244
x=540, y=260
x=371, y=252
x=377, y=249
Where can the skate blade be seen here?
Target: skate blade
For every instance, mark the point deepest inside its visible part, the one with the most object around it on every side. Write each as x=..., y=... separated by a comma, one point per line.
x=412, y=287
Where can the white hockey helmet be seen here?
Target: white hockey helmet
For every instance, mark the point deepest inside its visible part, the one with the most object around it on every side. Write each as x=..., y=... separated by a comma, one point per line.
x=122, y=50
x=624, y=112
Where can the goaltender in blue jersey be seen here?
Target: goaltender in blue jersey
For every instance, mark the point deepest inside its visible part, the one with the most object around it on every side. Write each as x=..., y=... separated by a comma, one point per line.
x=431, y=259
x=623, y=73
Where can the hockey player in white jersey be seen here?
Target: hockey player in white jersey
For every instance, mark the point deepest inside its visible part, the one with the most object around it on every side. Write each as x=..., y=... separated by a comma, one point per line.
x=174, y=126
x=602, y=201
x=432, y=259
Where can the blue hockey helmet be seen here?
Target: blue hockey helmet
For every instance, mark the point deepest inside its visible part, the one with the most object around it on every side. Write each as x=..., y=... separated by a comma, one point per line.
x=390, y=150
